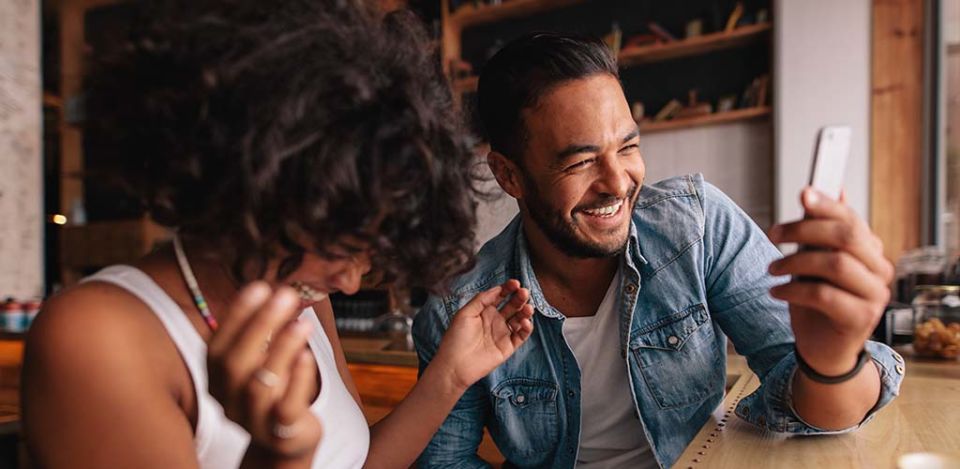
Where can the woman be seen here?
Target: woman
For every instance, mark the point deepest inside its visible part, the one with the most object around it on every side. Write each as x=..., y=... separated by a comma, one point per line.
x=292, y=145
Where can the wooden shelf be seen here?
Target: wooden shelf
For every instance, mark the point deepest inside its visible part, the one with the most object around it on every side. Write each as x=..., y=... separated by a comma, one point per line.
x=482, y=149
x=709, y=119
x=470, y=15
x=693, y=46
x=660, y=52
x=52, y=100
x=103, y=243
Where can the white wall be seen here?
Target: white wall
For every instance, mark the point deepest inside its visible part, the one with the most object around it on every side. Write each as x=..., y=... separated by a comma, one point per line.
x=821, y=77
x=492, y=214
x=21, y=179
x=735, y=157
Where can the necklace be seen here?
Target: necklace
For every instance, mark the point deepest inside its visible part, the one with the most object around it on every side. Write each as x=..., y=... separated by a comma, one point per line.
x=191, y=281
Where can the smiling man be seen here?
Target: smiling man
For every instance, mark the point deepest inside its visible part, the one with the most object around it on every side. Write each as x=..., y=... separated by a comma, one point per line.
x=638, y=287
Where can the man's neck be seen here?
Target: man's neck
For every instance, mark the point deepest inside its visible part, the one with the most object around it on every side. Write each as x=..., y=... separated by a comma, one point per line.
x=574, y=285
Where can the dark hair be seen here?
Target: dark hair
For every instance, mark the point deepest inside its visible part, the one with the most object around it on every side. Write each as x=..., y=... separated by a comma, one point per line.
x=267, y=126
x=523, y=71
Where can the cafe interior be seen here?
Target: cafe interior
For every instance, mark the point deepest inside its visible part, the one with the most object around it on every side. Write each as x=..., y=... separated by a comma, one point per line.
x=737, y=90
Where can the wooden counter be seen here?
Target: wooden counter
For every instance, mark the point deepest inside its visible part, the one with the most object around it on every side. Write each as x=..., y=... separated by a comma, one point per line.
x=924, y=418
x=378, y=351
x=11, y=356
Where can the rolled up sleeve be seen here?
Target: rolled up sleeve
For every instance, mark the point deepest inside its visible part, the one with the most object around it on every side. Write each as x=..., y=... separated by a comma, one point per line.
x=738, y=254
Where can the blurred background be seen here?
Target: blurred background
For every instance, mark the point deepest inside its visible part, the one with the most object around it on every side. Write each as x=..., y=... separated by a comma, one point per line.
x=736, y=90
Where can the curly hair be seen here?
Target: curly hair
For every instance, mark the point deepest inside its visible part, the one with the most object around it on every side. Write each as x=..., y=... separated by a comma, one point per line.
x=272, y=127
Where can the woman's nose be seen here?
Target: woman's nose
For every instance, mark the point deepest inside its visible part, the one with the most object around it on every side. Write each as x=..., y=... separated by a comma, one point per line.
x=349, y=279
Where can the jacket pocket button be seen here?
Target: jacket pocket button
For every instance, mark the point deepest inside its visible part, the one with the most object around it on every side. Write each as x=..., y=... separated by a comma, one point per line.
x=673, y=340
x=521, y=399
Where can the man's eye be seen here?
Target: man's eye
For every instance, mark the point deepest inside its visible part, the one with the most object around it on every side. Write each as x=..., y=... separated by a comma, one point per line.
x=579, y=164
x=629, y=148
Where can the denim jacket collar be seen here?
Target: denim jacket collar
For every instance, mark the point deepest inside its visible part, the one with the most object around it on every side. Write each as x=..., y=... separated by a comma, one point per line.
x=528, y=276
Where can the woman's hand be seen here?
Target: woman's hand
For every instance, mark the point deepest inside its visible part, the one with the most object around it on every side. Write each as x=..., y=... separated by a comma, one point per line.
x=481, y=337
x=263, y=374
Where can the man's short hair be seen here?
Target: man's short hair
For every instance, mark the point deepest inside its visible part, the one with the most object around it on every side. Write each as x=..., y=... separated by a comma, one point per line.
x=526, y=69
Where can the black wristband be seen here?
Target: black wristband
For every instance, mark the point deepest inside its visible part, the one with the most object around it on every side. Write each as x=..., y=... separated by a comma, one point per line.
x=813, y=375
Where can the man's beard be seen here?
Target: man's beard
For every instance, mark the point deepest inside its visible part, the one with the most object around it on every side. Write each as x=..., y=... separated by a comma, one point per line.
x=562, y=234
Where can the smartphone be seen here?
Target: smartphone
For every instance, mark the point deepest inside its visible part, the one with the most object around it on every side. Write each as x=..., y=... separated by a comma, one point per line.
x=829, y=163
x=830, y=160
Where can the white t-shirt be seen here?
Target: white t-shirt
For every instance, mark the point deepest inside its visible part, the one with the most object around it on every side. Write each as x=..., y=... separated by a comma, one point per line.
x=611, y=435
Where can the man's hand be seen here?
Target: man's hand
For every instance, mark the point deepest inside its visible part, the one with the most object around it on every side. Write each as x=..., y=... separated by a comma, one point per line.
x=839, y=287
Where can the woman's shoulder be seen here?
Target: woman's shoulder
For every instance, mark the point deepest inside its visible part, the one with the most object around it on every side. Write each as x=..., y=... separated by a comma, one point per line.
x=96, y=371
x=95, y=326
x=93, y=311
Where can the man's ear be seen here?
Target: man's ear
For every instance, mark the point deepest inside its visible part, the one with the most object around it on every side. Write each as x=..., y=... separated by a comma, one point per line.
x=507, y=173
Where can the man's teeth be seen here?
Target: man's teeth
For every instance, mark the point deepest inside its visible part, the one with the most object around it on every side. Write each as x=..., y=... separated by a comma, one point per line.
x=605, y=211
x=308, y=293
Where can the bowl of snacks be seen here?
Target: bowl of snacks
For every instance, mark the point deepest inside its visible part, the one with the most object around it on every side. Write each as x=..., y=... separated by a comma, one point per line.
x=936, y=332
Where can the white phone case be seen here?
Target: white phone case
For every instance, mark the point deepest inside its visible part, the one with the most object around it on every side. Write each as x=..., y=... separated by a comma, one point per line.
x=830, y=160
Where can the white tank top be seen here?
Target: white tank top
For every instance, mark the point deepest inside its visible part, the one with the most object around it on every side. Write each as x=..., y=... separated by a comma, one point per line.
x=221, y=443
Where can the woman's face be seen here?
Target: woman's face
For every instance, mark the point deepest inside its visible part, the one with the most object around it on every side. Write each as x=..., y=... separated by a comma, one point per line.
x=319, y=276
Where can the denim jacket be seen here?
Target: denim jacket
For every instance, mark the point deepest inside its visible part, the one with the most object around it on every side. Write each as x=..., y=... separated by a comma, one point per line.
x=694, y=274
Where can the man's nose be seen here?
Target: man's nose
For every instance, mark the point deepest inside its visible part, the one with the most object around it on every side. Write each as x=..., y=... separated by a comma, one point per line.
x=613, y=178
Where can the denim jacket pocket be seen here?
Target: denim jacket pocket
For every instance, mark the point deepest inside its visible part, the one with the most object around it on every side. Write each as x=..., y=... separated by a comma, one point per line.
x=526, y=413
x=680, y=358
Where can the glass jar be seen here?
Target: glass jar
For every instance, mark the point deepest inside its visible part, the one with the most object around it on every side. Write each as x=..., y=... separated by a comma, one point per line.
x=937, y=321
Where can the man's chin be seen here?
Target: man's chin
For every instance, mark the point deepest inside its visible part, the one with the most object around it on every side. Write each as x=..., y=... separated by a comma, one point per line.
x=598, y=248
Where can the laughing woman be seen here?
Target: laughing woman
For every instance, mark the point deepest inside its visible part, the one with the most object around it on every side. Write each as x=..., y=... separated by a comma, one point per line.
x=292, y=145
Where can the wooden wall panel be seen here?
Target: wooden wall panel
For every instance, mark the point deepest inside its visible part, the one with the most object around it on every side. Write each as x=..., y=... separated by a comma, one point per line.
x=897, y=124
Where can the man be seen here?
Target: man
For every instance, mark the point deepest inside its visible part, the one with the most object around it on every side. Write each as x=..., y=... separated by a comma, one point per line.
x=637, y=287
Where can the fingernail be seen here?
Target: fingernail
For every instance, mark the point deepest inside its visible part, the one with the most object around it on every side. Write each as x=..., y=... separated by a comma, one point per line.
x=286, y=297
x=258, y=291
x=811, y=197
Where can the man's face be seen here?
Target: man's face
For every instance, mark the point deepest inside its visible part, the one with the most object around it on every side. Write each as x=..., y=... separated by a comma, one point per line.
x=582, y=169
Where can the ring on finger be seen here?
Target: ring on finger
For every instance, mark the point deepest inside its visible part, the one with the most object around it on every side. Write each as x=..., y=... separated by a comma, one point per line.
x=284, y=431
x=266, y=377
